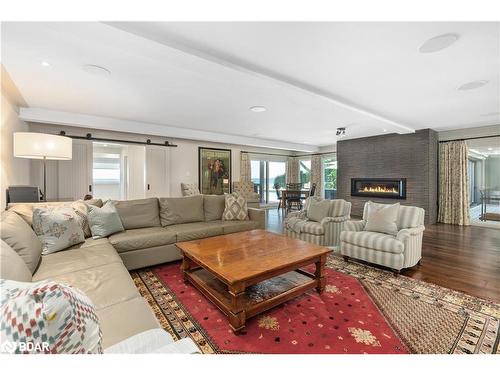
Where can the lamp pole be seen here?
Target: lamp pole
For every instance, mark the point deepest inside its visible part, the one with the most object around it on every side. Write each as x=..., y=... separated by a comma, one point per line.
x=45, y=179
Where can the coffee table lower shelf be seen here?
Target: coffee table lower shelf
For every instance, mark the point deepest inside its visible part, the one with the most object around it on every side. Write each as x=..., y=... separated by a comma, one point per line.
x=254, y=299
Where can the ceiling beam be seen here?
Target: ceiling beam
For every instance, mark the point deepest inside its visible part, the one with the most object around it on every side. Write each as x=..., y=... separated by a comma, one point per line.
x=244, y=67
x=47, y=116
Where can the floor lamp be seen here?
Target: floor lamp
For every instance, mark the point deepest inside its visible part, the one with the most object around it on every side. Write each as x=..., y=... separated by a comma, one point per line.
x=43, y=147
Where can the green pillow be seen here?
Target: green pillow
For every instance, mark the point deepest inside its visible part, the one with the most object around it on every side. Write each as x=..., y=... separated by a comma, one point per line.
x=104, y=221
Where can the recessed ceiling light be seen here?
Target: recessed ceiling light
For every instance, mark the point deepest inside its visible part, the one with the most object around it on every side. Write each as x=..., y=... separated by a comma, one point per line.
x=438, y=43
x=96, y=70
x=45, y=63
x=258, y=108
x=384, y=130
x=473, y=85
x=490, y=148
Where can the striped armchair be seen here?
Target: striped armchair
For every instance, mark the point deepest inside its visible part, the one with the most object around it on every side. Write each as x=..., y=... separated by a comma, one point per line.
x=325, y=232
x=403, y=250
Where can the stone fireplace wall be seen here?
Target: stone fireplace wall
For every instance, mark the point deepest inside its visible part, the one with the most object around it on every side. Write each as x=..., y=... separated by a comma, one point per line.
x=411, y=156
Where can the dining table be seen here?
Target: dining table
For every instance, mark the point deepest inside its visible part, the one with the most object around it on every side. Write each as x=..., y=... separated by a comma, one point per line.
x=285, y=193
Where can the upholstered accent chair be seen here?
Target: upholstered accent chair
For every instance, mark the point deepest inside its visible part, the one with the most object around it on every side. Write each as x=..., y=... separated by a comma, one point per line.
x=189, y=189
x=320, y=221
x=402, y=250
x=246, y=190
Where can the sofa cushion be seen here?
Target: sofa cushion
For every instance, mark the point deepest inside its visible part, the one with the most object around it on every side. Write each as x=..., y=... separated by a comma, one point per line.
x=78, y=259
x=139, y=213
x=57, y=228
x=142, y=238
x=25, y=210
x=181, y=210
x=125, y=319
x=313, y=227
x=105, y=285
x=373, y=240
x=318, y=210
x=382, y=218
x=238, y=226
x=104, y=221
x=20, y=237
x=213, y=206
x=12, y=267
x=194, y=231
x=54, y=317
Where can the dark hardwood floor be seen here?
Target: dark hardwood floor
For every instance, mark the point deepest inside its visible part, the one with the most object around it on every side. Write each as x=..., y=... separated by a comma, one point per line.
x=460, y=258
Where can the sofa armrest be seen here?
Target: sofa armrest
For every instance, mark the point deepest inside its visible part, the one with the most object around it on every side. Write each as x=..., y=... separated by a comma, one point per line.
x=333, y=226
x=336, y=219
x=256, y=214
x=406, y=233
x=354, y=225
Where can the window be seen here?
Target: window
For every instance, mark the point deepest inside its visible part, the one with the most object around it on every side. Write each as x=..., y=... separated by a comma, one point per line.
x=266, y=174
x=107, y=171
x=329, y=178
x=305, y=173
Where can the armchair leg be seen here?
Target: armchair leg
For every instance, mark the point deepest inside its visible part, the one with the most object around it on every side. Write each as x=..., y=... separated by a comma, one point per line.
x=396, y=273
x=346, y=258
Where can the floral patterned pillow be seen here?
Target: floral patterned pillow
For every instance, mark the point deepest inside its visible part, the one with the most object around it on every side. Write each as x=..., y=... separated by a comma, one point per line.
x=47, y=317
x=57, y=228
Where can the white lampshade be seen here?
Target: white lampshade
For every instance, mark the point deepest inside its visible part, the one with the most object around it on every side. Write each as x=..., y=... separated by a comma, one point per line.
x=40, y=145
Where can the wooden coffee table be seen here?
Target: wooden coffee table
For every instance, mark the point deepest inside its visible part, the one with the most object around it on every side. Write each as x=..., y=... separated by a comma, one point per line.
x=247, y=273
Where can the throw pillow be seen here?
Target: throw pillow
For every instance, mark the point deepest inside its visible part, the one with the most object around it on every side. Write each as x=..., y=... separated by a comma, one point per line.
x=318, y=210
x=181, y=210
x=104, y=221
x=382, y=218
x=81, y=209
x=57, y=228
x=12, y=267
x=19, y=235
x=47, y=317
x=235, y=208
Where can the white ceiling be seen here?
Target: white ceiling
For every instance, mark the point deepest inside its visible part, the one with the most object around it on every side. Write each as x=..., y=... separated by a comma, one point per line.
x=176, y=78
x=485, y=146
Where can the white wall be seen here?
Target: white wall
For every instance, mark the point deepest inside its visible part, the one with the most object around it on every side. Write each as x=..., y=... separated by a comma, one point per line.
x=482, y=131
x=183, y=158
x=14, y=171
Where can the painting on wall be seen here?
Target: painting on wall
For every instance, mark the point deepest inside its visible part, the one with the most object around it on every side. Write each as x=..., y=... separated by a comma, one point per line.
x=214, y=167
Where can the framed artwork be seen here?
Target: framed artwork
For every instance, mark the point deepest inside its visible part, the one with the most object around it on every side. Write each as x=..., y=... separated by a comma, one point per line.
x=214, y=165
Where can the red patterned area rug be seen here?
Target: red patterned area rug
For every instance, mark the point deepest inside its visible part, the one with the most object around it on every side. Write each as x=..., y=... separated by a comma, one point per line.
x=363, y=310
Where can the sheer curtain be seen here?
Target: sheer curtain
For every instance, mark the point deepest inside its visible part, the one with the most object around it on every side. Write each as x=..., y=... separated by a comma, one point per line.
x=245, y=167
x=453, y=183
x=292, y=170
x=316, y=173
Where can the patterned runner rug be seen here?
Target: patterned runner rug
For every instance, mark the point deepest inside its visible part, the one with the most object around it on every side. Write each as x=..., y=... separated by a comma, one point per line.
x=363, y=310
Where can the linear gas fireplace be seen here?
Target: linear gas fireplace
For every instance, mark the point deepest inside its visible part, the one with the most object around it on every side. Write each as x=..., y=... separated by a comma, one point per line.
x=379, y=187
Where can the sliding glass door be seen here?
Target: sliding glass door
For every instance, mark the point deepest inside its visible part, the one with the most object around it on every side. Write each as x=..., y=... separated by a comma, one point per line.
x=329, y=177
x=268, y=176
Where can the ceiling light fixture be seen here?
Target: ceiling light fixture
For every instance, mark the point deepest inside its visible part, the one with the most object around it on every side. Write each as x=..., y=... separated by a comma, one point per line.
x=473, y=85
x=340, y=132
x=96, y=70
x=45, y=63
x=438, y=43
x=490, y=148
x=258, y=108
x=384, y=130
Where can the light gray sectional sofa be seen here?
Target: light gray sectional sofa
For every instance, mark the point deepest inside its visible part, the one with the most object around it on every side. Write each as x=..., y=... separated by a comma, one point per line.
x=99, y=267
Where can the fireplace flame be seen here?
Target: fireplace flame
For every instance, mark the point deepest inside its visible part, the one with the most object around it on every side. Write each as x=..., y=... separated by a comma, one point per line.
x=379, y=189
